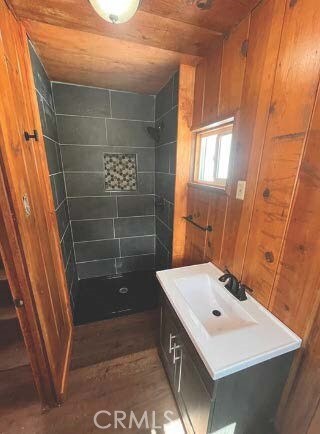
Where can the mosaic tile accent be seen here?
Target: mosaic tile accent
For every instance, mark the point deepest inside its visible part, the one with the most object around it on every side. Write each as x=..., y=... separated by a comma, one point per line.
x=120, y=172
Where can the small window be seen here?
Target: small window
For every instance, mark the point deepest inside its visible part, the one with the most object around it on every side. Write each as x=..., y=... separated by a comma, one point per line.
x=213, y=148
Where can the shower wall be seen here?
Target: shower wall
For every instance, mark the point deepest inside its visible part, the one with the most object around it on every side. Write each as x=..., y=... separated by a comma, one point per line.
x=49, y=128
x=105, y=147
x=165, y=168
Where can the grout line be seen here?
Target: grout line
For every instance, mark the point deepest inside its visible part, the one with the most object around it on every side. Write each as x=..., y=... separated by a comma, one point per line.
x=163, y=245
x=65, y=231
x=106, y=127
x=96, y=87
x=112, y=197
x=117, y=205
x=110, y=104
x=115, y=238
x=119, y=147
x=57, y=173
x=101, y=117
x=49, y=138
x=165, y=144
x=165, y=224
x=117, y=257
x=167, y=112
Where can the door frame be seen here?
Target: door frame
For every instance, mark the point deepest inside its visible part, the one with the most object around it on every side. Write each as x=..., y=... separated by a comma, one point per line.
x=16, y=271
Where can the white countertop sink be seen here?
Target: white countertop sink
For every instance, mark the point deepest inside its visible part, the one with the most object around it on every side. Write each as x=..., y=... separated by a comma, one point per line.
x=229, y=335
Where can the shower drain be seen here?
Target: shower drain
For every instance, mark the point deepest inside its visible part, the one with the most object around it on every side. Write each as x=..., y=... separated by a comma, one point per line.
x=123, y=290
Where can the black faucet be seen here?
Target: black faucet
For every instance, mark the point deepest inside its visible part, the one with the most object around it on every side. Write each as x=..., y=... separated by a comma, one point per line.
x=234, y=285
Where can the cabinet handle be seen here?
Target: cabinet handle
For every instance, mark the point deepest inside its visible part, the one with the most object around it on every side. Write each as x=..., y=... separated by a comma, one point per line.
x=175, y=358
x=171, y=338
x=180, y=372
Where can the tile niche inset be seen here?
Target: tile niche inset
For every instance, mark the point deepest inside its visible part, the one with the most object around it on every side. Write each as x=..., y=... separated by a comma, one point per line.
x=120, y=172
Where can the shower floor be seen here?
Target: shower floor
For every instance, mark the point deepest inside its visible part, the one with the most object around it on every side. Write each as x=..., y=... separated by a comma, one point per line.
x=102, y=298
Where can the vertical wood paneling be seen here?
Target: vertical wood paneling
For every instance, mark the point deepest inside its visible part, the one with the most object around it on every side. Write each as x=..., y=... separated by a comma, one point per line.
x=212, y=83
x=291, y=107
x=232, y=70
x=315, y=423
x=296, y=289
x=266, y=21
x=25, y=167
x=216, y=218
x=183, y=160
x=200, y=80
x=304, y=399
x=198, y=207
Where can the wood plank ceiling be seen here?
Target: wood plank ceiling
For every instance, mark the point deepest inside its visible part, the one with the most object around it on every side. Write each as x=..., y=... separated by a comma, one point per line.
x=78, y=46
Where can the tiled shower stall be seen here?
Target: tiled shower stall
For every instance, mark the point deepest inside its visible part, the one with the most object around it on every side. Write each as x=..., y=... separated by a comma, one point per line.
x=113, y=184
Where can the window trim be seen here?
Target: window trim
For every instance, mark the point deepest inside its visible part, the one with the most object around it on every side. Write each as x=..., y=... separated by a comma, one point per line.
x=220, y=129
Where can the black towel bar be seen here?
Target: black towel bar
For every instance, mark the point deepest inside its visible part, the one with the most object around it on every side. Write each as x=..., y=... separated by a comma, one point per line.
x=189, y=219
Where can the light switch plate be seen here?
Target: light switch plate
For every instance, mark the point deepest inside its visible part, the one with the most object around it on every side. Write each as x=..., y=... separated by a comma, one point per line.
x=241, y=190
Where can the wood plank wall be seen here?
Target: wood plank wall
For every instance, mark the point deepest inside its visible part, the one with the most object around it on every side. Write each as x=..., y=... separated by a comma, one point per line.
x=272, y=90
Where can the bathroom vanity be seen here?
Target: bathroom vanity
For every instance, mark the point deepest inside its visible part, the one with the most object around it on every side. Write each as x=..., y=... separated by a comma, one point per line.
x=226, y=360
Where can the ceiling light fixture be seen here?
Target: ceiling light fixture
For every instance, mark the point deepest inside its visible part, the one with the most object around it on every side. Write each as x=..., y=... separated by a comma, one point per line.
x=201, y=4
x=115, y=11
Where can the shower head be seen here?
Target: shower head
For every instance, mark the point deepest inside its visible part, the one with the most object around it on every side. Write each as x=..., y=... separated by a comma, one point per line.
x=155, y=132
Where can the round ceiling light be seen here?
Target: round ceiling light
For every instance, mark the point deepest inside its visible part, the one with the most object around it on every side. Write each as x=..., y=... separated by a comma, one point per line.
x=116, y=11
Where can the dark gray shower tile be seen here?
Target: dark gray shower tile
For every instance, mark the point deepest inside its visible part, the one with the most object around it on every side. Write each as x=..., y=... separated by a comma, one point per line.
x=164, y=234
x=82, y=158
x=135, y=263
x=71, y=273
x=62, y=218
x=171, y=216
x=135, y=206
x=95, y=250
x=169, y=131
x=54, y=192
x=129, y=133
x=51, y=123
x=165, y=185
x=134, y=226
x=85, y=184
x=146, y=183
x=132, y=106
x=53, y=156
x=175, y=89
x=96, y=268
x=67, y=246
x=81, y=130
x=60, y=188
x=164, y=99
x=162, y=256
x=137, y=246
x=163, y=159
x=90, y=230
x=41, y=80
x=172, y=157
x=83, y=208
x=41, y=112
x=81, y=100
x=162, y=209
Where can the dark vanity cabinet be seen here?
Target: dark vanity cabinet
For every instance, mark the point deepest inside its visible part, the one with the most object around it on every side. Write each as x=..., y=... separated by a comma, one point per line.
x=241, y=403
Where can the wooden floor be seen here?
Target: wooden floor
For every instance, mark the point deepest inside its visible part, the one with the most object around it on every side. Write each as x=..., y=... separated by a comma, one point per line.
x=12, y=349
x=126, y=380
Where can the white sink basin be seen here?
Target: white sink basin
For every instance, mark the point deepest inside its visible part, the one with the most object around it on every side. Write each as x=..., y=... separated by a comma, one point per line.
x=205, y=296
x=245, y=334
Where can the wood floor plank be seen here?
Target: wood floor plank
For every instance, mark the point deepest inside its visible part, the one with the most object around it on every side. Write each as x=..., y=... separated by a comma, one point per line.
x=135, y=382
